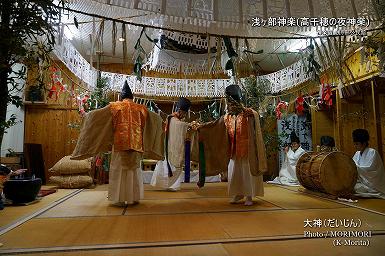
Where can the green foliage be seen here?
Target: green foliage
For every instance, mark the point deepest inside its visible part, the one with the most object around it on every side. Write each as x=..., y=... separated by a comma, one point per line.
x=379, y=5
x=27, y=28
x=371, y=42
x=11, y=153
x=4, y=125
x=211, y=113
x=254, y=91
x=99, y=97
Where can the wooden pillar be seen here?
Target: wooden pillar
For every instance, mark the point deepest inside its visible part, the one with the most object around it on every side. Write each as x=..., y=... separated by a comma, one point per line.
x=374, y=103
x=338, y=135
x=314, y=129
x=376, y=118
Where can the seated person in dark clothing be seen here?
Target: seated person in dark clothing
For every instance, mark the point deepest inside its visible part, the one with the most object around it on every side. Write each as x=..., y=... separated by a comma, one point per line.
x=327, y=144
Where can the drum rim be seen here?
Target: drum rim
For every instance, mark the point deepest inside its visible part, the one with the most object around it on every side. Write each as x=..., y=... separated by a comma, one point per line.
x=323, y=174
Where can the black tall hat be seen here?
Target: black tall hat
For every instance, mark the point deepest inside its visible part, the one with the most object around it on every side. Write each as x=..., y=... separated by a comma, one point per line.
x=183, y=104
x=327, y=141
x=294, y=137
x=360, y=135
x=234, y=91
x=126, y=92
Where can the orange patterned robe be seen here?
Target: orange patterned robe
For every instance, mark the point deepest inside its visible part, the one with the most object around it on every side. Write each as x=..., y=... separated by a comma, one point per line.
x=128, y=120
x=237, y=130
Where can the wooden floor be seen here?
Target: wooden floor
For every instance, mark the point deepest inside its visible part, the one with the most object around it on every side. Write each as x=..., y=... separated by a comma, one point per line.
x=192, y=222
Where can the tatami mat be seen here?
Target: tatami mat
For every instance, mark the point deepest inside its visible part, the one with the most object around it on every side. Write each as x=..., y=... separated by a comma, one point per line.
x=306, y=247
x=289, y=199
x=179, y=222
x=193, y=250
x=372, y=204
x=12, y=213
x=203, y=205
x=86, y=203
x=96, y=204
x=291, y=222
x=212, y=198
x=112, y=230
x=179, y=227
x=297, y=247
x=189, y=190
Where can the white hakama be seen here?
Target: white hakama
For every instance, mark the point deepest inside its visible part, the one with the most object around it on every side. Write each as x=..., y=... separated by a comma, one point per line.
x=160, y=178
x=125, y=178
x=240, y=180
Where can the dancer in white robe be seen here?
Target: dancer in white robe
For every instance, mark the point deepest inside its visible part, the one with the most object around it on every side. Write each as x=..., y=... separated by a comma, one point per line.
x=168, y=174
x=371, y=172
x=287, y=174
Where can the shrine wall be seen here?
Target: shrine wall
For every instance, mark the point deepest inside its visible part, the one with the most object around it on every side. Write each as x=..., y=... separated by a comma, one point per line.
x=48, y=122
x=360, y=108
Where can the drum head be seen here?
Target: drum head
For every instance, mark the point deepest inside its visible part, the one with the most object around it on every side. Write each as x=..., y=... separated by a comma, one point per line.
x=338, y=173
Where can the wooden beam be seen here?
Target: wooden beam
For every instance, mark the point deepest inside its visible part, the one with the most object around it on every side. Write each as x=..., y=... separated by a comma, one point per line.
x=311, y=8
x=287, y=5
x=353, y=4
x=215, y=10
x=333, y=8
x=189, y=6
x=163, y=7
x=136, y=3
x=240, y=8
x=264, y=2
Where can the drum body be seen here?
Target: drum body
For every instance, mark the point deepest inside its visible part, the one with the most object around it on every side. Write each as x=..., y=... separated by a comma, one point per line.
x=333, y=173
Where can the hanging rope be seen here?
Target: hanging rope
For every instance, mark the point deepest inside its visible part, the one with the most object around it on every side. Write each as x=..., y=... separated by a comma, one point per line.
x=200, y=33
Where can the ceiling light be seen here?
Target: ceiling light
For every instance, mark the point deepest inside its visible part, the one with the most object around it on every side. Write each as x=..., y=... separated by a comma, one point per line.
x=121, y=39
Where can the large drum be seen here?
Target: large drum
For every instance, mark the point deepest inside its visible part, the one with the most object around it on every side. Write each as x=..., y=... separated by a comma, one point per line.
x=333, y=173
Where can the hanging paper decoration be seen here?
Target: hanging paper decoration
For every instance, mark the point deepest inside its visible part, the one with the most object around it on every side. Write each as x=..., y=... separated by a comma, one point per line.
x=280, y=109
x=299, y=108
x=139, y=57
x=326, y=95
x=57, y=85
x=83, y=104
